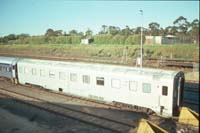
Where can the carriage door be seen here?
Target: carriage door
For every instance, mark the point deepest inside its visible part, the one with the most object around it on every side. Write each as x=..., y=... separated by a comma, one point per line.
x=163, y=98
x=14, y=72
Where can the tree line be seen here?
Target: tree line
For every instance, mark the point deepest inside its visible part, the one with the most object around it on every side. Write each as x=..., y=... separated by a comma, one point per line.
x=181, y=28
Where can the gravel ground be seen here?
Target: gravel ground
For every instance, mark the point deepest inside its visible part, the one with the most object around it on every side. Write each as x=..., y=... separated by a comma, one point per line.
x=16, y=117
x=119, y=115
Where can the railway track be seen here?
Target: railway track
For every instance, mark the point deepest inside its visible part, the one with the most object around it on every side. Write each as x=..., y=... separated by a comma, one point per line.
x=50, y=105
x=92, y=119
x=168, y=59
x=166, y=62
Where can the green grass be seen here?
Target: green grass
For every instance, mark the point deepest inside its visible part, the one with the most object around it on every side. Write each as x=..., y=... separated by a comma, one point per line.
x=181, y=51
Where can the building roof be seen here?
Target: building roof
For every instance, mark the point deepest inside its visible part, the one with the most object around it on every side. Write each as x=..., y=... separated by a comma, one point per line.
x=170, y=36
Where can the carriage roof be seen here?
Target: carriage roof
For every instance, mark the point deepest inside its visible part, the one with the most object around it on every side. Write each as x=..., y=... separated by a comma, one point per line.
x=155, y=73
x=8, y=60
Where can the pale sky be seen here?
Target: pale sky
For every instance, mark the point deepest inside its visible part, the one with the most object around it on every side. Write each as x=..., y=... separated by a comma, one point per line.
x=36, y=16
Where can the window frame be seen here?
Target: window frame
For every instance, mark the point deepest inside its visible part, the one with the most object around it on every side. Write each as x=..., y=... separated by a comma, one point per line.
x=62, y=75
x=100, y=81
x=8, y=69
x=73, y=77
x=144, y=85
x=42, y=73
x=52, y=74
x=164, y=90
x=86, y=79
x=34, y=71
x=4, y=69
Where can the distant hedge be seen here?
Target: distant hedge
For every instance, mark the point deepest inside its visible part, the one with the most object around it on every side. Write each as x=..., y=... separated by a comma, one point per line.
x=76, y=39
x=117, y=39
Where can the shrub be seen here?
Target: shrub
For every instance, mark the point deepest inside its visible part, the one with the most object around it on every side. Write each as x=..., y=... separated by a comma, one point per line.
x=76, y=39
x=134, y=39
x=118, y=39
x=103, y=39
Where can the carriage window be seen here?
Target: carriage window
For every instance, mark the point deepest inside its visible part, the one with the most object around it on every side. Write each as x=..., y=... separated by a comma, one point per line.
x=0, y=68
x=116, y=83
x=42, y=73
x=4, y=68
x=132, y=86
x=62, y=75
x=86, y=79
x=164, y=90
x=34, y=71
x=100, y=81
x=73, y=77
x=8, y=69
x=146, y=88
x=51, y=74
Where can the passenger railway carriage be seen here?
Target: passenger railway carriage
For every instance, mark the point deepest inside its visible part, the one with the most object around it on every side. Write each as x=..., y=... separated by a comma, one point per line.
x=8, y=67
x=158, y=90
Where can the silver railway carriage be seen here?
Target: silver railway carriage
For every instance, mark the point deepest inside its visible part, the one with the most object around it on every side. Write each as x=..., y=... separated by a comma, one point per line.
x=158, y=90
x=8, y=68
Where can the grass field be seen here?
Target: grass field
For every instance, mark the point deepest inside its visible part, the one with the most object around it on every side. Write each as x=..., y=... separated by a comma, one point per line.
x=182, y=51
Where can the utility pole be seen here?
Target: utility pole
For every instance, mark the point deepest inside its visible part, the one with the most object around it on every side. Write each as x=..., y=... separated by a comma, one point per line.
x=141, y=47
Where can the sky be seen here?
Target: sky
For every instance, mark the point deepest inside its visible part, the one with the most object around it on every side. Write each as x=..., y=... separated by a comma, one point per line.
x=36, y=16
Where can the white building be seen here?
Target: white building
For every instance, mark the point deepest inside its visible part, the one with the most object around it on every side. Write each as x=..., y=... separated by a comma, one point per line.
x=86, y=41
x=169, y=39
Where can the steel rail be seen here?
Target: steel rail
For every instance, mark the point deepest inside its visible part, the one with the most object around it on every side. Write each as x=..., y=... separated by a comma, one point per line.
x=91, y=119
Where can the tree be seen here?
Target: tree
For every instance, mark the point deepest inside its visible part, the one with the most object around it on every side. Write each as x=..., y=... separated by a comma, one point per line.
x=137, y=30
x=73, y=32
x=113, y=30
x=58, y=32
x=88, y=33
x=22, y=36
x=104, y=29
x=154, y=28
x=49, y=33
x=171, y=30
x=162, y=32
x=182, y=25
x=11, y=37
x=81, y=33
x=126, y=31
x=194, y=30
